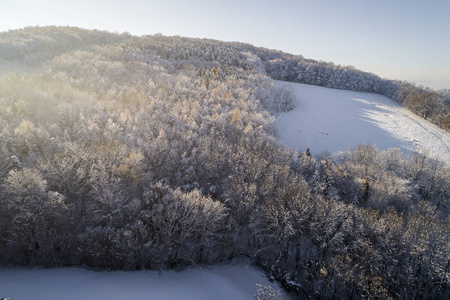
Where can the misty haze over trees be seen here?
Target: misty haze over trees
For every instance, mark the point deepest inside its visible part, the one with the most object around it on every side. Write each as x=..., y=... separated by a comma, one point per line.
x=124, y=152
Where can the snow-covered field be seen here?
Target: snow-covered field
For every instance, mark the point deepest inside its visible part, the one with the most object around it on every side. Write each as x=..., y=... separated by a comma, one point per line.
x=330, y=120
x=234, y=281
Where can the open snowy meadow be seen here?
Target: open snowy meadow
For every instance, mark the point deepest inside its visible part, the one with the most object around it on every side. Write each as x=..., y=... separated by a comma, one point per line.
x=226, y=282
x=331, y=120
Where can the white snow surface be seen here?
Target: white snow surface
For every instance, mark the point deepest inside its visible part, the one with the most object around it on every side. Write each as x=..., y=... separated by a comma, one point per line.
x=232, y=281
x=329, y=120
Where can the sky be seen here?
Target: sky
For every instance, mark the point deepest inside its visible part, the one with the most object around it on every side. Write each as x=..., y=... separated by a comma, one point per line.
x=397, y=39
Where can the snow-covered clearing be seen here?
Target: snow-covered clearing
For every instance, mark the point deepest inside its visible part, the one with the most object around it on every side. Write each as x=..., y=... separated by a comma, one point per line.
x=234, y=281
x=331, y=120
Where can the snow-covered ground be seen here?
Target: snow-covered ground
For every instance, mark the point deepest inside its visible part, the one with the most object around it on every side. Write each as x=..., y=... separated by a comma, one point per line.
x=331, y=120
x=234, y=281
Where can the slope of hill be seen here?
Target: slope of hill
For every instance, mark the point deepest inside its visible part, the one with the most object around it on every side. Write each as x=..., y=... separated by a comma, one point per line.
x=130, y=153
x=326, y=119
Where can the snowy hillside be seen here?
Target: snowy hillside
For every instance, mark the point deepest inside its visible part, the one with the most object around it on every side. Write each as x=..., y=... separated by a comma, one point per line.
x=220, y=282
x=120, y=152
x=331, y=120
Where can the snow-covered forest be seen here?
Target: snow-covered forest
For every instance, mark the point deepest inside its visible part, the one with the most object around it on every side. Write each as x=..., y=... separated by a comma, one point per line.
x=154, y=152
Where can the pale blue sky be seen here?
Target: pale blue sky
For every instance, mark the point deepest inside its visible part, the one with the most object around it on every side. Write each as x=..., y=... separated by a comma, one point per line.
x=399, y=39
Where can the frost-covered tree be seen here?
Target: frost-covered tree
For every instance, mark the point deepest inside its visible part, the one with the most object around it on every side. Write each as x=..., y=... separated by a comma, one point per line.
x=187, y=225
x=35, y=219
x=265, y=292
x=284, y=99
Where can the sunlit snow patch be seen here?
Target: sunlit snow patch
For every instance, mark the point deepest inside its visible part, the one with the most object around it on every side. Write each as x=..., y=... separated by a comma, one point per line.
x=331, y=120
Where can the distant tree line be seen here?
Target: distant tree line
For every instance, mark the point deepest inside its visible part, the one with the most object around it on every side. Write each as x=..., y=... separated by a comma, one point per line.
x=425, y=102
x=158, y=152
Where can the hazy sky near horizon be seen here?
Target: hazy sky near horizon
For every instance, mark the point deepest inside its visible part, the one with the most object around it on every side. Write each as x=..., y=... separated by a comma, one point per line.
x=397, y=39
